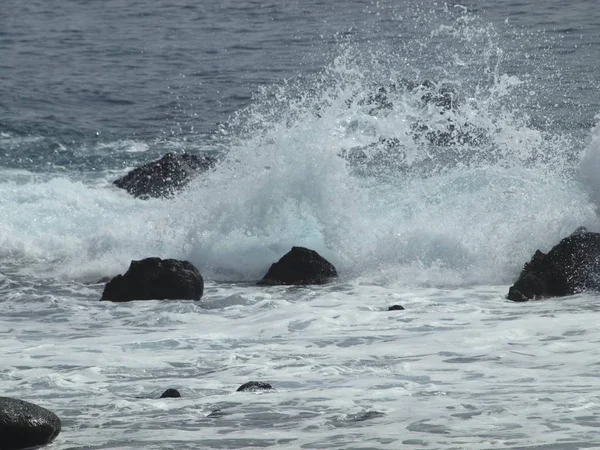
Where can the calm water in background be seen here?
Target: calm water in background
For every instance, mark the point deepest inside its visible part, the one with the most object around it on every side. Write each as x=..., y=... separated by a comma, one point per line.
x=88, y=90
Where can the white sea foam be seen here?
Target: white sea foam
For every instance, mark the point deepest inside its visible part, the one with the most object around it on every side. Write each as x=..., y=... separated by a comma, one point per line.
x=416, y=212
x=590, y=165
x=457, y=368
x=128, y=146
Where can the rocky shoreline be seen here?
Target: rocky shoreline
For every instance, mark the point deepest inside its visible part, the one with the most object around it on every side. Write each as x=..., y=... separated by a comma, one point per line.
x=572, y=266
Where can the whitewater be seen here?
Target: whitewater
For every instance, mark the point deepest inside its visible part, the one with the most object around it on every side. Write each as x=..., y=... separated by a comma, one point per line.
x=432, y=207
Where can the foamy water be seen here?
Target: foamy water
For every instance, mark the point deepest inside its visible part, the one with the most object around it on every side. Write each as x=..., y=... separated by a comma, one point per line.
x=458, y=368
x=442, y=228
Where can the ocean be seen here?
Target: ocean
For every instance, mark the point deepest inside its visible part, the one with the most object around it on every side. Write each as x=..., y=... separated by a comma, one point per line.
x=331, y=134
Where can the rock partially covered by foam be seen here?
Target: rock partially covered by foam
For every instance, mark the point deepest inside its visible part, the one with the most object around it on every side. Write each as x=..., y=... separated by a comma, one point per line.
x=156, y=279
x=300, y=266
x=253, y=386
x=571, y=267
x=164, y=177
x=25, y=425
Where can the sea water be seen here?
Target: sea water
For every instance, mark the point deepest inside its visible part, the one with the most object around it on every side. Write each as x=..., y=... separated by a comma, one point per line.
x=286, y=95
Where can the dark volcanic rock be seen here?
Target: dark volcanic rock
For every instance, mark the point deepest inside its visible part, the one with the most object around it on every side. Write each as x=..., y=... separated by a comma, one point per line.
x=164, y=177
x=396, y=308
x=300, y=266
x=24, y=425
x=156, y=279
x=171, y=393
x=572, y=266
x=254, y=386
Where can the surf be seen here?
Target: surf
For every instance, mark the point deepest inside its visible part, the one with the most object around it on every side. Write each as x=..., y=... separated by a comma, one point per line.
x=363, y=162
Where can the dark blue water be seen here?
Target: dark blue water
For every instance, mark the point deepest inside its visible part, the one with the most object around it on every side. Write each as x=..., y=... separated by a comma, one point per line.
x=148, y=69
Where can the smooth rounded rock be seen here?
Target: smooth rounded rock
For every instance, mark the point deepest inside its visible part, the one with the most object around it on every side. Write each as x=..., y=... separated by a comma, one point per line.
x=300, y=266
x=396, y=308
x=25, y=425
x=171, y=393
x=156, y=279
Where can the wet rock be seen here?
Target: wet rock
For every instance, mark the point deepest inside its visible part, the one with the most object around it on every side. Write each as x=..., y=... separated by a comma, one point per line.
x=171, y=393
x=24, y=425
x=396, y=308
x=300, y=266
x=156, y=279
x=164, y=177
x=253, y=386
x=571, y=267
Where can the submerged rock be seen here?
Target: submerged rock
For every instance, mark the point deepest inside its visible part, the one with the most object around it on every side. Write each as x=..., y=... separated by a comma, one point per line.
x=171, y=393
x=572, y=266
x=24, y=425
x=349, y=420
x=217, y=413
x=254, y=386
x=156, y=279
x=300, y=266
x=164, y=177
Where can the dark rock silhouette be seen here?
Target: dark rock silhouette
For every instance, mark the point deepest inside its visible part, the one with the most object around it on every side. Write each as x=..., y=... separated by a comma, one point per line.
x=164, y=177
x=24, y=425
x=156, y=279
x=572, y=266
x=396, y=308
x=171, y=393
x=300, y=266
x=254, y=386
